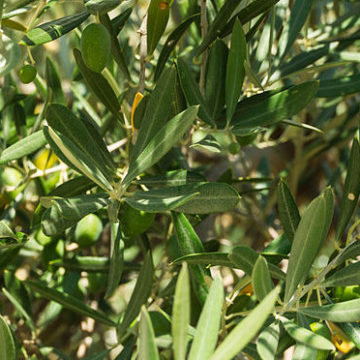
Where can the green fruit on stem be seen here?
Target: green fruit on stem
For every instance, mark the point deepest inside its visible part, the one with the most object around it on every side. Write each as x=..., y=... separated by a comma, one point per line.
x=27, y=74
x=135, y=222
x=10, y=179
x=95, y=47
x=88, y=230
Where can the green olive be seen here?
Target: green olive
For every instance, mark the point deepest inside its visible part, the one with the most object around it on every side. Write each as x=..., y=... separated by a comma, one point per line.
x=95, y=47
x=42, y=239
x=234, y=148
x=10, y=178
x=135, y=222
x=27, y=74
x=88, y=230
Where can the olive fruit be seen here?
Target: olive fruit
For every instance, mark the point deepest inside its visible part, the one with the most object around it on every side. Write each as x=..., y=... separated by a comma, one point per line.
x=95, y=46
x=234, y=148
x=27, y=74
x=41, y=238
x=135, y=222
x=88, y=230
x=10, y=178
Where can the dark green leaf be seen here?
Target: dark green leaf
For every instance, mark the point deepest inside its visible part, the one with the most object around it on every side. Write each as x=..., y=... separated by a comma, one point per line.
x=261, y=279
x=339, y=87
x=309, y=237
x=288, y=211
x=139, y=295
x=7, y=343
x=262, y=111
x=158, y=16
x=101, y=6
x=211, y=259
x=69, y=302
x=267, y=342
x=349, y=275
x=52, y=30
x=53, y=82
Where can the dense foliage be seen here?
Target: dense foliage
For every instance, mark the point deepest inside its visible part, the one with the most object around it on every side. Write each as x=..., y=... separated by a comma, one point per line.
x=179, y=179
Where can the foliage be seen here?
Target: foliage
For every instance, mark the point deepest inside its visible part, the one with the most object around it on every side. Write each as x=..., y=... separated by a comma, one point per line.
x=179, y=179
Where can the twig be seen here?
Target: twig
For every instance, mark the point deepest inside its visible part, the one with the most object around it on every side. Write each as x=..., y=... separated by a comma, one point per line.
x=143, y=53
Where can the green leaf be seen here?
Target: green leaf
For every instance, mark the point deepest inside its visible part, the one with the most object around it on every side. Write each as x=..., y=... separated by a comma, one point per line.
x=343, y=86
x=63, y=120
x=208, y=143
x=267, y=342
x=158, y=16
x=70, y=153
x=7, y=343
x=245, y=258
x=352, y=330
x=235, y=71
x=116, y=259
x=53, y=82
x=349, y=275
x=350, y=252
x=215, y=78
x=305, y=352
x=147, y=346
x=52, y=30
x=218, y=24
x=309, y=237
x=351, y=189
x=98, y=85
x=69, y=302
x=288, y=211
x=171, y=42
x=347, y=311
x=305, y=336
x=189, y=243
x=244, y=332
x=23, y=147
x=192, y=92
x=64, y=213
x=181, y=314
x=161, y=143
x=158, y=111
x=8, y=255
x=299, y=13
x=262, y=111
x=6, y=232
x=206, y=259
x=139, y=295
x=261, y=279
x=213, y=197
x=84, y=263
x=101, y=6
x=208, y=325
x=99, y=356
x=11, y=54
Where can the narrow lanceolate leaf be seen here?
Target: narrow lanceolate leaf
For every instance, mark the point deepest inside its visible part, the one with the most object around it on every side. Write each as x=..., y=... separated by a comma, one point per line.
x=192, y=92
x=189, y=243
x=245, y=258
x=351, y=189
x=299, y=13
x=140, y=294
x=211, y=198
x=53, y=82
x=339, y=87
x=181, y=314
x=171, y=42
x=161, y=143
x=101, y=6
x=262, y=111
x=309, y=236
x=62, y=119
x=116, y=259
x=243, y=333
x=218, y=24
x=305, y=352
x=261, y=279
x=7, y=343
x=12, y=55
x=235, y=71
x=306, y=336
x=69, y=302
x=98, y=85
x=147, y=346
x=160, y=200
x=215, y=78
x=347, y=311
x=349, y=275
x=158, y=110
x=64, y=213
x=208, y=325
x=52, y=30
x=288, y=211
x=158, y=16
x=350, y=252
x=23, y=147
x=206, y=259
x=72, y=155
x=267, y=342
